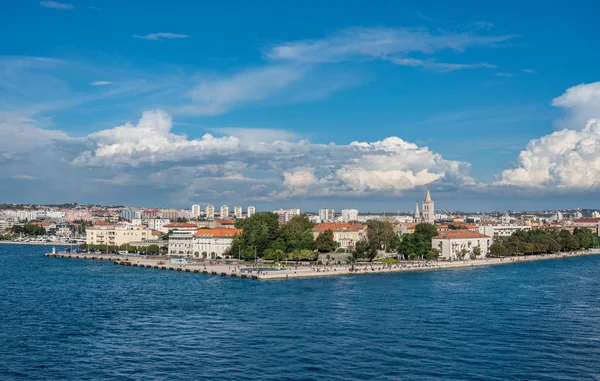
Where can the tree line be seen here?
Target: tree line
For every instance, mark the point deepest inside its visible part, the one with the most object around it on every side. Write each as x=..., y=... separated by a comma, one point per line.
x=262, y=237
x=540, y=241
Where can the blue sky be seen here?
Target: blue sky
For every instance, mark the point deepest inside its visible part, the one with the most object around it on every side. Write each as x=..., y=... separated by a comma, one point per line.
x=462, y=98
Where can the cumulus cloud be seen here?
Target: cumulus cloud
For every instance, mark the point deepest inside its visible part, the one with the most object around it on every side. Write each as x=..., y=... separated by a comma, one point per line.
x=161, y=36
x=581, y=103
x=565, y=159
x=290, y=168
x=55, y=5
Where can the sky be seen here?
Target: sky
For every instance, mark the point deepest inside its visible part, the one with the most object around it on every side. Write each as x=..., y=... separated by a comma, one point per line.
x=301, y=104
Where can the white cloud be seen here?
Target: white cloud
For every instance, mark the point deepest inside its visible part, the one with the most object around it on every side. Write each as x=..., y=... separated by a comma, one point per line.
x=379, y=43
x=100, y=83
x=257, y=134
x=529, y=71
x=161, y=36
x=289, y=168
x=504, y=75
x=441, y=66
x=213, y=96
x=565, y=159
x=55, y=5
x=581, y=103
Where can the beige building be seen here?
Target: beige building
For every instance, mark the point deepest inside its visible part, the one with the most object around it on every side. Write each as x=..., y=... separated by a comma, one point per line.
x=210, y=211
x=451, y=243
x=215, y=242
x=345, y=234
x=116, y=235
x=284, y=215
x=224, y=212
x=171, y=214
x=237, y=212
x=180, y=242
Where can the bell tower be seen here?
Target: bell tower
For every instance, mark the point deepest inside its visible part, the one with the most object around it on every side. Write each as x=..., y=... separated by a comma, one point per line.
x=428, y=209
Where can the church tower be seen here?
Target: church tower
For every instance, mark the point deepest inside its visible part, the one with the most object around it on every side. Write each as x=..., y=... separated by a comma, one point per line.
x=417, y=213
x=428, y=209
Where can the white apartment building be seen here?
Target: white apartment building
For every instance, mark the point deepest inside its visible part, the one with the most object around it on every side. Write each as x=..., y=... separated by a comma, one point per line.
x=196, y=210
x=224, y=212
x=349, y=215
x=251, y=211
x=237, y=211
x=326, y=215
x=116, y=235
x=158, y=224
x=181, y=242
x=210, y=211
x=451, y=243
x=495, y=231
x=213, y=243
x=286, y=214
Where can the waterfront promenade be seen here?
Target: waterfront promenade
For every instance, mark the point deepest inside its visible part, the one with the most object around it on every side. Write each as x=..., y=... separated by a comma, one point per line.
x=306, y=271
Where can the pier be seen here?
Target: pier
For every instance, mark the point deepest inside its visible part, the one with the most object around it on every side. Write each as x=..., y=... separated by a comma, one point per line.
x=245, y=271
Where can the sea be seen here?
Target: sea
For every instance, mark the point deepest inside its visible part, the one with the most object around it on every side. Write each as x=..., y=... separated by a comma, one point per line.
x=73, y=319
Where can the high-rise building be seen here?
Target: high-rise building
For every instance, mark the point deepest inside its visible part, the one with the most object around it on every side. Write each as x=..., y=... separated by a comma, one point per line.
x=210, y=211
x=286, y=214
x=349, y=215
x=196, y=210
x=150, y=213
x=237, y=211
x=251, y=211
x=326, y=215
x=428, y=209
x=171, y=214
x=130, y=214
x=224, y=212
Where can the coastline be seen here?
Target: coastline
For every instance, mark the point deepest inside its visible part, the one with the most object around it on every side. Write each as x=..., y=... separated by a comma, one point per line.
x=232, y=270
x=38, y=243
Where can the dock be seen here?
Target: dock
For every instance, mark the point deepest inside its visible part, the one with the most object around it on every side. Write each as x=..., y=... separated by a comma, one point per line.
x=304, y=271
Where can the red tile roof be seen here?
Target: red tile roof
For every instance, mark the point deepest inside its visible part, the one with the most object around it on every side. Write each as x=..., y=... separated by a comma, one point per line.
x=587, y=220
x=217, y=232
x=334, y=226
x=157, y=232
x=457, y=234
x=224, y=221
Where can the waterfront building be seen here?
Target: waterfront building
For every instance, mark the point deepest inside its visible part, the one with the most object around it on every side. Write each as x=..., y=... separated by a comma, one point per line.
x=451, y=243
x=326, y=215
x=213, y=243
x=284, y=215
x=349, y=215
x=347, y=235
x=590, y=223
x=251, y=211
x=224, y=211
x=497, y=231
x=116, y=235
x=181, y=242
x=210, y=211
x=237, y=212
x=196, y=210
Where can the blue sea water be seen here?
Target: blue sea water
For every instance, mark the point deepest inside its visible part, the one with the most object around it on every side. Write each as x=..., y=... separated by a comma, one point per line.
x=70, y=319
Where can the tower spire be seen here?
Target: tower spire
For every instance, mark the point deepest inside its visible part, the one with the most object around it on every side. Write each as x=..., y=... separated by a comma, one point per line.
x=428, y=196
x=417, y=213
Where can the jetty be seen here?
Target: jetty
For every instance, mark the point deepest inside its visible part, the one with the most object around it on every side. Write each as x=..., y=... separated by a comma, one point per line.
x=263, y=272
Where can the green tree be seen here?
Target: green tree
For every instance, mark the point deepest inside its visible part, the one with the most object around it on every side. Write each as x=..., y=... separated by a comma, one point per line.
x=325, y=243
x=476, y=251
x=259, y=233
x=433, y=254
x=297, y=234
x=498, y=249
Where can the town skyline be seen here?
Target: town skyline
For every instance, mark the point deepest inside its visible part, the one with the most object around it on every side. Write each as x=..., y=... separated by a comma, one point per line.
x=362, y=108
